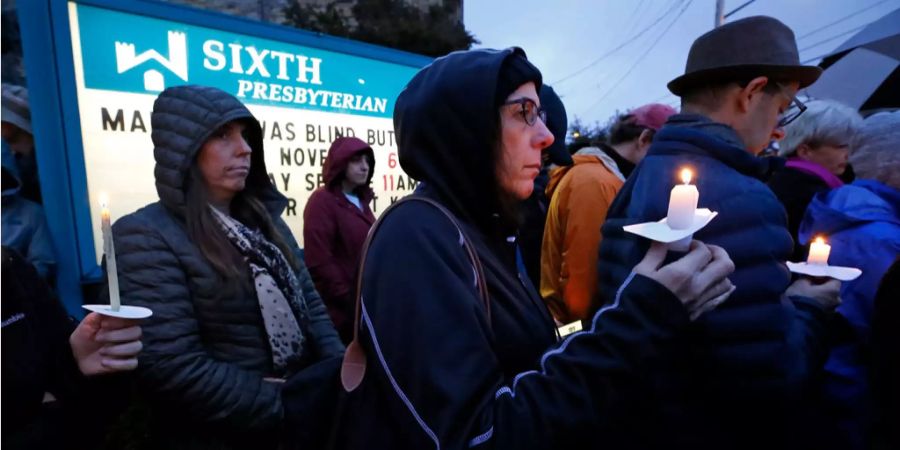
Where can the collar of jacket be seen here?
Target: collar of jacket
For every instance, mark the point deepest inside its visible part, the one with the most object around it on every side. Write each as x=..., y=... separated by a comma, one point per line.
x=623, y=166
x=608, y=161
x=707, y=125
x=815, y=170
x=365, y=193
x=711, y=139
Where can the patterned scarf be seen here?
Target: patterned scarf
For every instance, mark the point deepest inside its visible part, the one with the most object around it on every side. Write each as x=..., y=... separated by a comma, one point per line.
x=278, y=291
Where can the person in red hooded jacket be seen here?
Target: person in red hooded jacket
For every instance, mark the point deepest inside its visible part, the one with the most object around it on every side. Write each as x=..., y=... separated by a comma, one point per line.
x=336, y=221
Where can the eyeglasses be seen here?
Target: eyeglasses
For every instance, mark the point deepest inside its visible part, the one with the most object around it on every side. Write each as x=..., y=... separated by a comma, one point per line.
x=530, y=110
x=793, y=112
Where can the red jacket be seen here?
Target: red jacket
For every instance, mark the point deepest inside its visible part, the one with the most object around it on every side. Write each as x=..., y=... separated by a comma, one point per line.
x=334, y=231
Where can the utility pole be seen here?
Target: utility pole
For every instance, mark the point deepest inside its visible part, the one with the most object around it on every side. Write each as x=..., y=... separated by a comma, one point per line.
x=720, y=13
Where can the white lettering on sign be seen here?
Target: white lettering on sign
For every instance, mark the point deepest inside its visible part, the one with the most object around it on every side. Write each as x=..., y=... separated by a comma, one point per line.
x=300, y=95
x=262, y=62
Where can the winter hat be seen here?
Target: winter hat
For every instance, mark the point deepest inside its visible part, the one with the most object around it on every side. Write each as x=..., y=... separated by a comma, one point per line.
x=15, y=107
x=652, y=116
x=558, y=124
x=515, y=71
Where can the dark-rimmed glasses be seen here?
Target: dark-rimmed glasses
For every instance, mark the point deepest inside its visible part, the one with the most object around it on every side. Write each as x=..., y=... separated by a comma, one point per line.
x=530, y=110
x=793, y=112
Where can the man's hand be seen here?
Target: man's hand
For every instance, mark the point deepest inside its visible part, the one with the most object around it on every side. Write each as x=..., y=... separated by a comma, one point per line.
x=104, y=344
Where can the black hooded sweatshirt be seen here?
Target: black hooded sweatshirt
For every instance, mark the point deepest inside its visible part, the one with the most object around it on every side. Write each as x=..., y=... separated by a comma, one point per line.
x=442, y=372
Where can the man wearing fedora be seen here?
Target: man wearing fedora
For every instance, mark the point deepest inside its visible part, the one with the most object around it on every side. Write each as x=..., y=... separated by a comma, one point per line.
x=752, y=359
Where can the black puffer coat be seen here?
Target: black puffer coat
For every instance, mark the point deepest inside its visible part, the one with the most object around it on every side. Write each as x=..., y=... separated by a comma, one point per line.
x=205, y=351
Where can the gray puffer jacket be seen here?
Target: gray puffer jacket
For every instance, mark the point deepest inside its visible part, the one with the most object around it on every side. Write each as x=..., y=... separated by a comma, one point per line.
x=205, y=351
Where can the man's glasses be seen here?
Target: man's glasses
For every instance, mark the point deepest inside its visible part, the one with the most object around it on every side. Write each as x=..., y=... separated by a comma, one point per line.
x=793, y=112
x=530, y=110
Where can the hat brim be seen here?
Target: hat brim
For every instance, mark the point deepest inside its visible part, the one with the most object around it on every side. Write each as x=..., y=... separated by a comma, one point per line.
x=805, y=75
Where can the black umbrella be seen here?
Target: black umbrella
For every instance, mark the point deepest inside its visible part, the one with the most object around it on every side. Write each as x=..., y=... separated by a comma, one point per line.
x=864, y=71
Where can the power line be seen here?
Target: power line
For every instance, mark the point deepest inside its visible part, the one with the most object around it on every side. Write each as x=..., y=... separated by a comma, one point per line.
x=635, y=15
x=829, y=39
x=640, y=58
x=833, y=38
x=738, y=9
x=620, y=46
x=842, y=19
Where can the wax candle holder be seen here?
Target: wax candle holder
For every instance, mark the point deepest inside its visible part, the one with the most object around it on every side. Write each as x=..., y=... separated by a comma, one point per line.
x=124, y=312
x=824, y=270
x=678, y=239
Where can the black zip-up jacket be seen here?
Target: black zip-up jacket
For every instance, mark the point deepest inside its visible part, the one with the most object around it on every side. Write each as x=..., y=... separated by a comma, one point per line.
x=442, y=372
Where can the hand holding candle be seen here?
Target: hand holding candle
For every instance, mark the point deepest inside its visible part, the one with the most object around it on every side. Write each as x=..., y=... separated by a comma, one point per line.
x=110, y=251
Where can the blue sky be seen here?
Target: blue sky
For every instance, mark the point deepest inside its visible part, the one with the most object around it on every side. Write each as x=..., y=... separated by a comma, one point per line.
x=563, y=36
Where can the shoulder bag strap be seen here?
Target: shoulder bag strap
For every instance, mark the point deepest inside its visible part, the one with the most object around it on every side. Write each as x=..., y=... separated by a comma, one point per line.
x=353, y=368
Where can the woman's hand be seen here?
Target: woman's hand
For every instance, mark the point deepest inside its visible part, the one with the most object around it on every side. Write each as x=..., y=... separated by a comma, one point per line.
x=828, y=293
x=104, y=344
x=698, y=279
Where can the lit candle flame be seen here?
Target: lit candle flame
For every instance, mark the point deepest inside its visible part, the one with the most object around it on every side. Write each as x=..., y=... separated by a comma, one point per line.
x=686, y=175
x=820, y=240
x=104, y=200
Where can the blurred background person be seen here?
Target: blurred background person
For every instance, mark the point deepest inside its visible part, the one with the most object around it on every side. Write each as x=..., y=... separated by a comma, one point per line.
x=878, y=149
x=885, y=370
x=24, y=223
x=580, y=196
x=861, y=222
x=16, y=131
x=336, y=221
x=817, y=146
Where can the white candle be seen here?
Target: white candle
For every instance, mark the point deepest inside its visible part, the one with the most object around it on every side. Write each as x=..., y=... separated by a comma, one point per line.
x=818, y=252
x=683, y=203
x=110, y=251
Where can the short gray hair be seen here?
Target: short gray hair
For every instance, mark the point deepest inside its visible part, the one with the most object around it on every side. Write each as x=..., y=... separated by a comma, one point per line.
x=877, y=152
x=824, y=121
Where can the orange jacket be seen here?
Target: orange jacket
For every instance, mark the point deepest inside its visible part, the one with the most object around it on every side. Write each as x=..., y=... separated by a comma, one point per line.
x=580, y=196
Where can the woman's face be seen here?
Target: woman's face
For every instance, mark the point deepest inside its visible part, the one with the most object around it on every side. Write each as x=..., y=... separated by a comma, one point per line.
x=357, y=173
x=224, y=161
x=521, y=144
x=829, y=155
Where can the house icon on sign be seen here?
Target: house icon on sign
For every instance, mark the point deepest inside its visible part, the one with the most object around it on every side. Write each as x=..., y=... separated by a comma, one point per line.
x=126, y=59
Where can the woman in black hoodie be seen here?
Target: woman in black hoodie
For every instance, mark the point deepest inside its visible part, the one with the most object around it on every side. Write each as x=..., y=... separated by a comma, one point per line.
x=447, y=370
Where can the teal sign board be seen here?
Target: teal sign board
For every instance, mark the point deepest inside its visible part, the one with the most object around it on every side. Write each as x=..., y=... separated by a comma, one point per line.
x=128, y=52
x=94, y=68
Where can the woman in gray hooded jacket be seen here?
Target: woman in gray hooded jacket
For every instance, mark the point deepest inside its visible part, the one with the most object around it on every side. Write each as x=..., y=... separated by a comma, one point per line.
x=235, y=310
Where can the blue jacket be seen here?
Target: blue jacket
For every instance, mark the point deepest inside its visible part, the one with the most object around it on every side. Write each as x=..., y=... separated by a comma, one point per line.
x=862, y=223
x=24, y=225
x=752, y=356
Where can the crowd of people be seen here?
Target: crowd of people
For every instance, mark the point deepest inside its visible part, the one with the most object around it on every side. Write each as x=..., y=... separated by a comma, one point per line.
x=445, y=322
